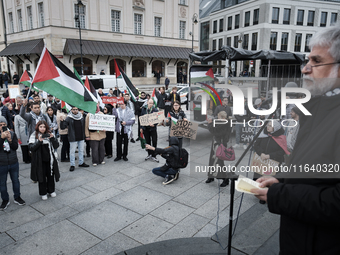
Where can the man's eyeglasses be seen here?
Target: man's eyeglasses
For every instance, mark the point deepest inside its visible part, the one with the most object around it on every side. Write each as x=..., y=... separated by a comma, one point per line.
x=309, y=66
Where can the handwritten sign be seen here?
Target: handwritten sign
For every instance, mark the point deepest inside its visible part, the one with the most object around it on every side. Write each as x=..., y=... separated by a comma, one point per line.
x=264, y=166
x=247, y=134
x=153, y=118
x=184, y=128
x=102, y=122
x=13, y=91
x=113, y=100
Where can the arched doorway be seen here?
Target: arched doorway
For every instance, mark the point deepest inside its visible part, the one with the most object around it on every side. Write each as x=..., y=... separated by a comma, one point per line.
x=20, y=67
x=158, y=66
x=182, y=72
x=120, y=62
x=138, y=68
x=87, y=66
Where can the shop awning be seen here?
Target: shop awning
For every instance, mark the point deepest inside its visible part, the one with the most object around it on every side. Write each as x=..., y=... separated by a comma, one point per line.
x=99, y=48
x=23, y=48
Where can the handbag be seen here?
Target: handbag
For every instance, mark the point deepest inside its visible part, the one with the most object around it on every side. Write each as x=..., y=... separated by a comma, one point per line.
x=226, y=154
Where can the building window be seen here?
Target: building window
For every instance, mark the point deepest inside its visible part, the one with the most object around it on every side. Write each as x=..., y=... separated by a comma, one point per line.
x=11, y=23
x=275, y=15
x=20, y=28
x=236, y=41
x=284, y=41
x=300, y=15
x=323, y=20
x=230, y=22
x=138, y=24
x=286, y=16
x=273, y=40
x=254, y=41
x=204, y=42
x=214, y=45
x=308, y=36
x=138, y=68
x=41, y=14
x=182, y=2
x=334, y=18
x=87, y=66
x=29, y=17
x=310, y=20
x=182, y=25
x=221, y=25
x=237, y=21
x=247, y=19
x=215, y=26
x=245, y=42
x=220, y=44
x=115, y=21
x=80, y=12
x=158, y=66
x=298, y=38
x=158, y=26
x=256, y=17
x=229, y=41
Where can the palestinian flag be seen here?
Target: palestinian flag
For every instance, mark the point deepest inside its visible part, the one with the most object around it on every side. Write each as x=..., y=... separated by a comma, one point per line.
x=174, y=120
x=154, y=97
x=142, y=140
x=201, y=74
x=65, y=106
x=128, y=84
x=56, y=79
x=91, y=88
x=26, y=79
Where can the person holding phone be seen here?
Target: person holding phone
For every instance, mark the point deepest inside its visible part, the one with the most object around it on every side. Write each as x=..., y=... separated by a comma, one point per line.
x=9, y=165
x=44, y=167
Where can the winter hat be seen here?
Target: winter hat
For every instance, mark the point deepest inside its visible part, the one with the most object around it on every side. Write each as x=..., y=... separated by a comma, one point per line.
x=276, y=125
x=3, y=120
x=258, y=101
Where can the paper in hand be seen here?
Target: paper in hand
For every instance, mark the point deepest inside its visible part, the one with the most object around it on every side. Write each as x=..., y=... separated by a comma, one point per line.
x=244, y=184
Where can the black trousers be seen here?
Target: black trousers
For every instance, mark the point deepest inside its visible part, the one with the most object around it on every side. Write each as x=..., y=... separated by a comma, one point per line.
x=138, y=126
x=151, y=135
x=108, y=143
x=122, y=139
x=88, y=147
x=48, y=185
x=65, y=149
x=26, y=157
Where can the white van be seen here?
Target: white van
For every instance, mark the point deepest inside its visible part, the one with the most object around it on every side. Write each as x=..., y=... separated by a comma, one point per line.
x=105, y=82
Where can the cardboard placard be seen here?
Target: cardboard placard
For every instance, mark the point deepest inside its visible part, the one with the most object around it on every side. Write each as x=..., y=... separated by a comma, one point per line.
x=113, y=100
x=102, y=122
x=44, y=94
x=13, y=91
x=247, y=134
x=264, y=167
x=153, y=118
x=184, y=128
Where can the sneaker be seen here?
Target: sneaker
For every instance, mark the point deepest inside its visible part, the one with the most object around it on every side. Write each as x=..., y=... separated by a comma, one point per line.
x=224, y=183
x=4, y=205
x=176, y=176
x=110, y=156
x=236, y=145
x=71, y=168
x=148, y=157
x=244, y=146
x=83, y=165
x=155, y=159
x=116, y=159
x=125, y=158
x=94, y=164
x=44, y=197
x=209, y=180
x=53, y=194
x=132, y=140
x=137, y=139
x=19, y=201
x=103, y=163
x=168, y=179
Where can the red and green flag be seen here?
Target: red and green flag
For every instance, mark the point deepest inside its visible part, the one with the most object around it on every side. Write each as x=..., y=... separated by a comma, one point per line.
x=154, y=97
x=201, y=74
x=26, y=79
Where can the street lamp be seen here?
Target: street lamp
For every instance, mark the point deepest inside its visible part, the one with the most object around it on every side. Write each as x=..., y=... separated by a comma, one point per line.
x=77, y=19
x=194, y=22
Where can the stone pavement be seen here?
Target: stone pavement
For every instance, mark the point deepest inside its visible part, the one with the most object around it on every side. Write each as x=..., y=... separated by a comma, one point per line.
x=121, y=207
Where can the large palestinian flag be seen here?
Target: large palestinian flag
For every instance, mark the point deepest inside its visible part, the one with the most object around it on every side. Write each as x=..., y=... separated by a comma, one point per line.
x=26, y=79
x=129, y=86
x=201, y=74
x=56, y=79
x=91, y=88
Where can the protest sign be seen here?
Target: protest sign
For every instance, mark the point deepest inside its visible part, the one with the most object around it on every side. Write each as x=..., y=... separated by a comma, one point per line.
x=13, y=91
x=153, y=118
x=184, y=128
x=113, y=100
x=247, y=134
x=102, y=122
x=264, y=166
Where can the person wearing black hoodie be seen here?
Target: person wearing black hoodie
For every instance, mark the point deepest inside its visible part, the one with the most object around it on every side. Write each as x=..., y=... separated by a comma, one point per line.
x=169, y=171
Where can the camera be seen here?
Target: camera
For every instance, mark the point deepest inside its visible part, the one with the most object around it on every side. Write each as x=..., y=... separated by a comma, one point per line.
x=4, y=128
x=45, y=135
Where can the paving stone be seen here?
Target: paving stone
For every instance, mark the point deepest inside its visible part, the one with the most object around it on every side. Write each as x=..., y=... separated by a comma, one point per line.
x=136, y=181
x=61, y=238
x=110, y=168
x=112, y=245
x=141, y=199
x=172, y=212
x=34, y=226
x=207, y=231
x=5, y=240
x=147, y=229
x=133, y=171
x=107, y=181
x=105, y=219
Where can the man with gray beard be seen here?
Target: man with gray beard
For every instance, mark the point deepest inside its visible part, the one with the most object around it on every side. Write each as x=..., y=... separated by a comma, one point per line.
x=310, y=207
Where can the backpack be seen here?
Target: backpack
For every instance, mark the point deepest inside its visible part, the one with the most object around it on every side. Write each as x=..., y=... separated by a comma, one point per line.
x=183, y=158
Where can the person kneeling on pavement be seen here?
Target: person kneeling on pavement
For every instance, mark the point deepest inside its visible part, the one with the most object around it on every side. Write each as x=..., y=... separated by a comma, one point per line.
x=169, y=171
